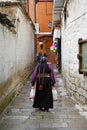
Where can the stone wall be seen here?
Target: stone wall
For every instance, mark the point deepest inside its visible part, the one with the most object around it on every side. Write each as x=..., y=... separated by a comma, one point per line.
x=76, y=27
x=16, y=55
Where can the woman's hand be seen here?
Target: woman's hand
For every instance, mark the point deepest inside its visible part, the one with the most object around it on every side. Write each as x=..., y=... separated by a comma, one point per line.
x=32, y=87
x=53, y=87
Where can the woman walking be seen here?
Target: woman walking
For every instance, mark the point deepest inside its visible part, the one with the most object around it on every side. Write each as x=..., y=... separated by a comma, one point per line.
x=44, y=77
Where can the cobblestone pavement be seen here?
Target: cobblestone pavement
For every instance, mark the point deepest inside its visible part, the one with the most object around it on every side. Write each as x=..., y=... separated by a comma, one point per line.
x=19, y=115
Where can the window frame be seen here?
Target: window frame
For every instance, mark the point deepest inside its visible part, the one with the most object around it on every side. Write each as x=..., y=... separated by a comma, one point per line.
x=79, y=56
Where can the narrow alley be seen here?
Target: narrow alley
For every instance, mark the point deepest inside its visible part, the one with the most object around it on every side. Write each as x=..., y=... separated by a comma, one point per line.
x=19, y=114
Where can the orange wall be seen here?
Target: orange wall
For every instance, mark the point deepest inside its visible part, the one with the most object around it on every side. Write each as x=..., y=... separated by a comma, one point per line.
x=31, y=9
x=44, y=15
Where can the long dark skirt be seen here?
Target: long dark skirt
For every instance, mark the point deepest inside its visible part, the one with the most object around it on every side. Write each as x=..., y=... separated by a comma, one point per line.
x=44, y=97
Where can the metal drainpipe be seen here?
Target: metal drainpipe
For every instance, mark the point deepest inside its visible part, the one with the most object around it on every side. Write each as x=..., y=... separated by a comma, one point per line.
x=28, y=6
x=34, y=1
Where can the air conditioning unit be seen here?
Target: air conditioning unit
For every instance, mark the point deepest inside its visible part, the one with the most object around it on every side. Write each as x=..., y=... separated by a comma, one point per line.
x=37, y=28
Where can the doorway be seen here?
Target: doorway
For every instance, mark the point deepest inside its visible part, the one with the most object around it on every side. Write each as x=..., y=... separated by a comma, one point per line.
x=59, y=55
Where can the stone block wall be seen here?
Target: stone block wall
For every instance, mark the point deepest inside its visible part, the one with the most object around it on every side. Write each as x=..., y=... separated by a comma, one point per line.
x=76, y=27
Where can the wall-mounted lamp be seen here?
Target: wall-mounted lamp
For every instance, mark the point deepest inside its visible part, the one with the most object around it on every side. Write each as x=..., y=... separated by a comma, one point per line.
x=40, y=43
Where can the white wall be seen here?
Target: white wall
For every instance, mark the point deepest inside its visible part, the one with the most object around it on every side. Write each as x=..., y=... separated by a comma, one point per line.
x=76, y=27
x=16, y=55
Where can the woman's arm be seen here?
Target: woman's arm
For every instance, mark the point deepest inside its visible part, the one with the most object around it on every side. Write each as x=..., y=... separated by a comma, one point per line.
x=34, y=76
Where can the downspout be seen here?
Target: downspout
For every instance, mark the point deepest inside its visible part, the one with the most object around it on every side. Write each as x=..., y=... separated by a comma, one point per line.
x=34, y=1
x=34, y=11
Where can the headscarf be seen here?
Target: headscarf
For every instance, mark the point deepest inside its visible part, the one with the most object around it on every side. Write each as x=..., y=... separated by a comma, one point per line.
x=43, y=60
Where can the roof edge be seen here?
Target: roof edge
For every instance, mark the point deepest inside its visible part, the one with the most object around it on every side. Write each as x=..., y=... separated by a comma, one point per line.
x=22, y=5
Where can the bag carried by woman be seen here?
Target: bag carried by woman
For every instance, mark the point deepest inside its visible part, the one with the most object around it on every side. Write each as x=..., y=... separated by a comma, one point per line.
x=55, y=94
x=32, y=94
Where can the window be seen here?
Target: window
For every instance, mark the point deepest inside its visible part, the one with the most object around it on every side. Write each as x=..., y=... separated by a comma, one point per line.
x=82, y=56
x=41, y=46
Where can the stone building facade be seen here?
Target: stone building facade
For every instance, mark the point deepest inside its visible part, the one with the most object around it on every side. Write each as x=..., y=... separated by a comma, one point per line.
x=16, y=49
x=74, y=27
